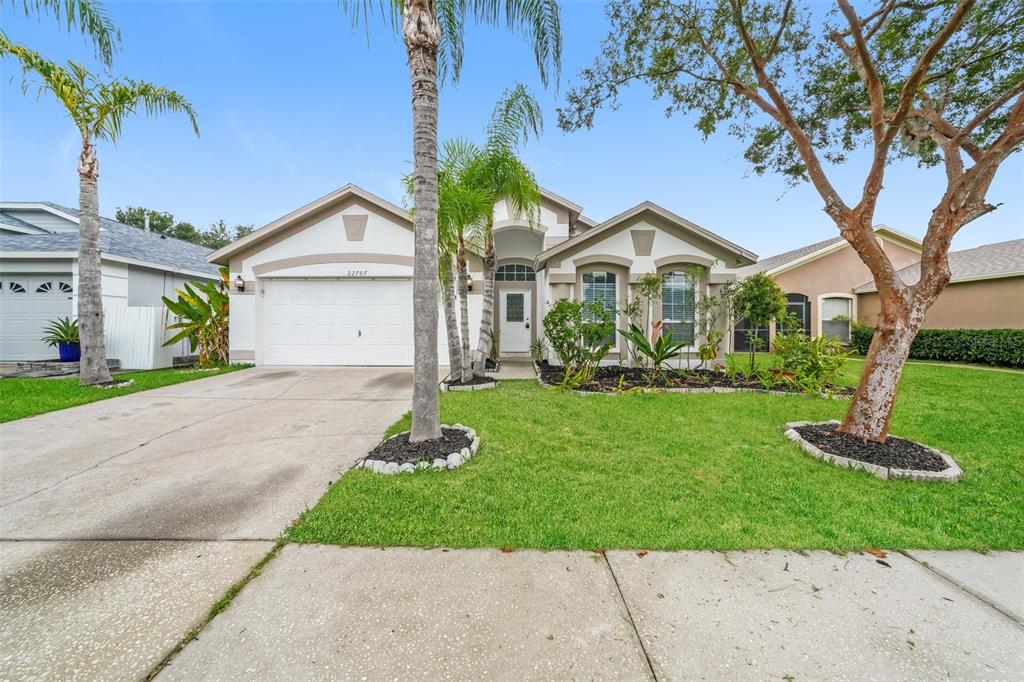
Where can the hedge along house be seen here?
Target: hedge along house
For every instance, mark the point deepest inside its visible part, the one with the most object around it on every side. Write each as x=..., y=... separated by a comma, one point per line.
x=819, y=281
x=985, y=290
x=331, y=283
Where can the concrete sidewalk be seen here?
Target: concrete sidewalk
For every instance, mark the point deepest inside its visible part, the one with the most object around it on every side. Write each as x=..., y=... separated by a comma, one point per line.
x=323, y=612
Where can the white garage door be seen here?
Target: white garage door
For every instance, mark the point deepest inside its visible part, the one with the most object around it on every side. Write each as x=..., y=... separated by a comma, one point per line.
x=28, y=303
x=337, y=322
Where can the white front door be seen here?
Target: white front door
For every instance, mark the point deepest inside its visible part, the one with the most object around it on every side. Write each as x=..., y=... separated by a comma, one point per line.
x=516, y=305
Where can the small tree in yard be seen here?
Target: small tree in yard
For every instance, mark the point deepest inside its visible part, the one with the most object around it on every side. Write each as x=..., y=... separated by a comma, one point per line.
x=940, y=82
x=759, y=299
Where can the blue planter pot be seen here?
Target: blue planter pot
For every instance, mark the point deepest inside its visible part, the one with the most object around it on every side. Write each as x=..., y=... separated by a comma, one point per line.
x=69, y=352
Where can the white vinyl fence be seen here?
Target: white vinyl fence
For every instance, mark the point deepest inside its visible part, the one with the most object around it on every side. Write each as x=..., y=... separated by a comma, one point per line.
x=135, y=335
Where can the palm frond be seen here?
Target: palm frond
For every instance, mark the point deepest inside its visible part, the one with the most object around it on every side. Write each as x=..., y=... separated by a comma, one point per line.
x=539, y=21
x=88, y=16
x=516, y=115
x=116, y=100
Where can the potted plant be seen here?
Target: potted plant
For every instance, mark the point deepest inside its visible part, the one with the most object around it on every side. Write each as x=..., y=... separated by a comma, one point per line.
x=63, y=333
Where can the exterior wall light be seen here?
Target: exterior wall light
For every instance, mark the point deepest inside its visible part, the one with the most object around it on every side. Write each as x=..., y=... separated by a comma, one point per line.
x=239, y=283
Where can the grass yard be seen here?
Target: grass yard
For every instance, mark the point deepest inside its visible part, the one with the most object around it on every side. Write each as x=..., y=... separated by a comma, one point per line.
x=25, y=397
x=699, y=471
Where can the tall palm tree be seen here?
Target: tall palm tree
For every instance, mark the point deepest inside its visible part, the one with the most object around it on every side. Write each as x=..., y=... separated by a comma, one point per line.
x=433, y=34
x=88, y=16
x=505, y=178
x=97, y=109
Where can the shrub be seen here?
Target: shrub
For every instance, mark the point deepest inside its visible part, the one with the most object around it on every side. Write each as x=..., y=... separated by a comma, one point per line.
x=1003, y=347
x=660, y=351
x=202, y=309
x=578, y=334
x=760, y=300
x=808, y=363
x=860, y=337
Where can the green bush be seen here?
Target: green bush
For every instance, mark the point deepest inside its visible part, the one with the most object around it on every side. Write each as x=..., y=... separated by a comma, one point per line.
x=1003, y=347
x=810, y=364
x=578, y=334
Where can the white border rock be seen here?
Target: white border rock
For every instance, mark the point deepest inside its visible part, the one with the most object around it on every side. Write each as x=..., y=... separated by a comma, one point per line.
x=950, y=474
x=117, y=384
x=452, y=461
x=446, y=387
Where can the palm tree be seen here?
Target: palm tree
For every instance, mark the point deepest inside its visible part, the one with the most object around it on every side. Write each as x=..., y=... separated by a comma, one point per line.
x=89, y=16
x=433, y=34
x=461, y=211
x=505, y=178
x=97, y=109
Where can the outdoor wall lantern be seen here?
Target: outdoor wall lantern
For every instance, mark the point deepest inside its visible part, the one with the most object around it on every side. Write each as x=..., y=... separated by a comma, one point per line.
x=239, y=283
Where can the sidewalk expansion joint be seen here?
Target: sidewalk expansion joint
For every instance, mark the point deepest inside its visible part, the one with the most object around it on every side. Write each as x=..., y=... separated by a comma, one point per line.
x=629, y=614
x=963, y=588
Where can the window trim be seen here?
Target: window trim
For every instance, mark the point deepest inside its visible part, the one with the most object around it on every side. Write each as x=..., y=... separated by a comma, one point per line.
x=680, y=263
x=835, y=294
x=621, y=292
x=530, y=273
x=615, y=298
x=669, y=270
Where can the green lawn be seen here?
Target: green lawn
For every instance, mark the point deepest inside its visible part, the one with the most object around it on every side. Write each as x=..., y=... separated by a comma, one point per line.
x=26, y=397
x=678, y=471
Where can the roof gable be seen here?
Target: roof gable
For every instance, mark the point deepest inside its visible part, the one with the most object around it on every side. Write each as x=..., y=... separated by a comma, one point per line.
x=317, y=206
x=660, y=215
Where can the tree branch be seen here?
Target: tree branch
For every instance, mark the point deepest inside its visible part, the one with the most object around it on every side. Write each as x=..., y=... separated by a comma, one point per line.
x=866, y=68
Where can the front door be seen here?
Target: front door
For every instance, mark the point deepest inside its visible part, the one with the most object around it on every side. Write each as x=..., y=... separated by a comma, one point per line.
x=516, y=305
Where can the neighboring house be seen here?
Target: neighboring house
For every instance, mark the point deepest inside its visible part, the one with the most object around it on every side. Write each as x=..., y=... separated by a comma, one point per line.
x=39, y=282
x=819, y=281
x=985, y=290
x=331, y=282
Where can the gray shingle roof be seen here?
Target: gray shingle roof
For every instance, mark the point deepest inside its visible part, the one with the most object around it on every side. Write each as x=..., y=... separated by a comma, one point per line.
x=778, y=260
x=16, y=222
x=990, y=260
x=118, y=239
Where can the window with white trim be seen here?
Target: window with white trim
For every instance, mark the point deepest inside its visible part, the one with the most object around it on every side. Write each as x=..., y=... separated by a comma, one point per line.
x=600, y=287
x=514, y=272
x=836, y=313
x=679, y=306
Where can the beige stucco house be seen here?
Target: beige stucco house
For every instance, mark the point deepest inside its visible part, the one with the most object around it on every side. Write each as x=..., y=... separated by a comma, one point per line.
x=819, y=280
x=985, y=290
x=331, y=282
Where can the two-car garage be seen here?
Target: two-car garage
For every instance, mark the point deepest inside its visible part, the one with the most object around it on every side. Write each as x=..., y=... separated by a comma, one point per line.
x=328, y=284
x=336, y=322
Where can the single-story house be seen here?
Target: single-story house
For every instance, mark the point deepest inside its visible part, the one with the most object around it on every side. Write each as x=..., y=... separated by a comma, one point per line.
x=39, y=282
x=331, y=282
x=985, y=290
x=819, y=280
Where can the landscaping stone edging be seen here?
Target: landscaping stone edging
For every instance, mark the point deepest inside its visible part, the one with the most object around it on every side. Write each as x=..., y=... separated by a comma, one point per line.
x=445, y=387
x=453, y=461
x=950, y=474
x=698, y=389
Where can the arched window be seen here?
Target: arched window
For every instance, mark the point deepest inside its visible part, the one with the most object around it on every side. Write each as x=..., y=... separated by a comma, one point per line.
x=514, y=272
x=65, y=287
x=44, y=288
x=15, y=287
x=799, y=307
x=601, y=287
x=679, y=306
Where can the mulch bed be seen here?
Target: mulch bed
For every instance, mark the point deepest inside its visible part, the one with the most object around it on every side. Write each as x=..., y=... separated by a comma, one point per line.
x=475, y=381
x=894, y=453
x=616, y=377
x=400, y=451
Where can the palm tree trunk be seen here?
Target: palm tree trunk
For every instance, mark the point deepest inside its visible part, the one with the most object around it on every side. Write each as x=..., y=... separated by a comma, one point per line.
x=422, y=35
x=93, y=366
x=466, y=368
x=451, y=322
x=483, y=348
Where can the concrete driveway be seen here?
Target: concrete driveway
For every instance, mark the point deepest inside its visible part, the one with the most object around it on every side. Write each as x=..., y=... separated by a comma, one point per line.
x=122, y=521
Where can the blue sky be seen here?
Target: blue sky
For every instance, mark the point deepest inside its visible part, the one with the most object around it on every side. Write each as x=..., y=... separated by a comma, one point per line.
x=293, y=103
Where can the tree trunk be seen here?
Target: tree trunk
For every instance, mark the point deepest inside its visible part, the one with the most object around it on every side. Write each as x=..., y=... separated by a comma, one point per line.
x=451, y=323
x=483, y=348
x=467, y=359
x=93, y=366
x=871, y=410
x=422, y=35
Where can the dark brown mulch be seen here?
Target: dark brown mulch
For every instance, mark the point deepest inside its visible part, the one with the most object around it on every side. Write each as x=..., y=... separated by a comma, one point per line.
x=610, y=378
x=400, y=451
x=896, y=453
x=475, y=381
